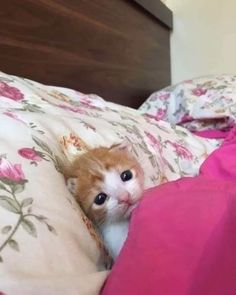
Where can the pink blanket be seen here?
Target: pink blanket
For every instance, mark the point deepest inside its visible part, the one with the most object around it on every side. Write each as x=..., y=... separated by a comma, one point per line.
x=182, y=237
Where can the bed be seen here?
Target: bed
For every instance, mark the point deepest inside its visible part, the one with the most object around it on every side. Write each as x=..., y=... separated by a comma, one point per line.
x=117, y=49
x=73, y=74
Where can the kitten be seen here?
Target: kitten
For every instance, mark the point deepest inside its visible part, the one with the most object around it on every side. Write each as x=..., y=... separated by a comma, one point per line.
x=108, y=183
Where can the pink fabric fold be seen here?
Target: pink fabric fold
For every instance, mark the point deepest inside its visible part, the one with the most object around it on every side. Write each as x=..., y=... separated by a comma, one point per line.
x=182, y=237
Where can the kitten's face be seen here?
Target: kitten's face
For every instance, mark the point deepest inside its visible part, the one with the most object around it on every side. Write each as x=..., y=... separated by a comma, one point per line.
x=107, y=182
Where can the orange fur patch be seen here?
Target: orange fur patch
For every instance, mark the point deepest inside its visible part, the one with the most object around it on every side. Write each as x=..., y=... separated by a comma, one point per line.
x=89, y=169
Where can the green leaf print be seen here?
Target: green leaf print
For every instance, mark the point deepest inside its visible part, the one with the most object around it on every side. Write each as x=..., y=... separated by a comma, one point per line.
x=18, y=187
x=42, y=144
x=48, y=154
x=41, y=218
x=14, y=245
x=9, y=204
x=23, y=209
x=51, y=229
x=11, y=183
x=29, y=227
x=26, y=202
x=2, y=186
x=6, y=229
x=31, y=107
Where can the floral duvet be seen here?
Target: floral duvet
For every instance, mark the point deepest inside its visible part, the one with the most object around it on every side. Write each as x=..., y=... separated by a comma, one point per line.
x=47, y=245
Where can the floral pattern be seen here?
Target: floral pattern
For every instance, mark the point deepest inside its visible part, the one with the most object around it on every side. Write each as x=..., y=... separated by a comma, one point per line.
x=42, y=129
x=12, y=182
x=31, y=154
x=10, y=92
x=11, y=172
x=40, y=221
x=198, y=104
x=13, y=116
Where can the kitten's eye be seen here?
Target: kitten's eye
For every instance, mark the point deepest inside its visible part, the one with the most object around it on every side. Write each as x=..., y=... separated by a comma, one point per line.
x=100, y=199
x=126, y=175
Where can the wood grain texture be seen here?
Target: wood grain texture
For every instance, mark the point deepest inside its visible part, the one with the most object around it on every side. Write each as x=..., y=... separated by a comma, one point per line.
x=158, y=10
x=112, y=48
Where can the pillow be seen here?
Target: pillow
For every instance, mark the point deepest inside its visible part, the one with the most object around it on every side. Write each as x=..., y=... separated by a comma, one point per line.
x=198, y=104
x=182, y=236
x=47, y=245
x=166, y=152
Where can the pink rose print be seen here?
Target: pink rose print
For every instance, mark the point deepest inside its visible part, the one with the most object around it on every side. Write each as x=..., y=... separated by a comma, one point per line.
x=153, y=140
x=198, y=91
x=72, y=109
x=181, y=151
x=13, y=116
x=86, y=101
x=11, y=171
x=160, y=96
x=10, y=92
x=160, y=114
x=30, y=154
x=164, y=96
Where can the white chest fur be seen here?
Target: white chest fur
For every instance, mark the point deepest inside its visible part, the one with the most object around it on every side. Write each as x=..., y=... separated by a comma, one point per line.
x=114, y=235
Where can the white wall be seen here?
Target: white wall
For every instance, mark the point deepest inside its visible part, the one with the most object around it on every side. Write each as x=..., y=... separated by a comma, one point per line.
x=204, y=38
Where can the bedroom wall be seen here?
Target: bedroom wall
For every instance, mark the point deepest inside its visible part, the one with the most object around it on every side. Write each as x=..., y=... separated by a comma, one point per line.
x=204, y=38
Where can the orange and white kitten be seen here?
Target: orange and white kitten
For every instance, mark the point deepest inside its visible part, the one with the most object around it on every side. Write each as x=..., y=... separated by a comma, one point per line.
x=108, y=183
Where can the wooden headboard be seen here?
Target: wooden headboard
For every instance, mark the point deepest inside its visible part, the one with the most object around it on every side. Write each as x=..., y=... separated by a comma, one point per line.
x=118, y=49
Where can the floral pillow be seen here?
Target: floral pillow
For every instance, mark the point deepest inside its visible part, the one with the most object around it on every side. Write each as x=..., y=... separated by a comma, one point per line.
x=78, y=122
x=197, y=104
x=47, y=245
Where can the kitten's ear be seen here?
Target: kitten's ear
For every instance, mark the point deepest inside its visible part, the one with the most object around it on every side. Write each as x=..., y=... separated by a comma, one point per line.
x=122, y=147
x=72, y=184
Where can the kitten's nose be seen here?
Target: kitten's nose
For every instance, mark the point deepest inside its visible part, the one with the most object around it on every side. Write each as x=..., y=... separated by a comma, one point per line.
x=125, y=198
